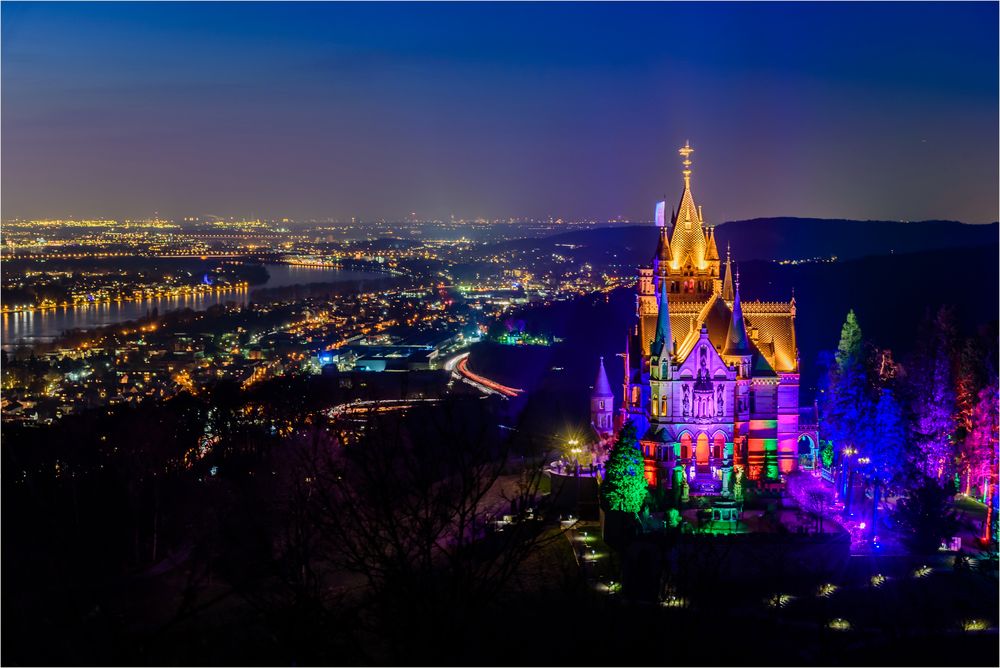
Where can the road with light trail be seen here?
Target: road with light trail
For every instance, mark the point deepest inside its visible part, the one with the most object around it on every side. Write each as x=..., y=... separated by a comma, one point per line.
x=459, y=367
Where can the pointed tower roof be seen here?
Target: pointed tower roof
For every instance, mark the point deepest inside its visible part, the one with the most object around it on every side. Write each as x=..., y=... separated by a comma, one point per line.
x=688, y=238
x=663, y=334
x=602, y=388
x=737, y=341
x=727, y=285
x=663, y=246
x=712, y=253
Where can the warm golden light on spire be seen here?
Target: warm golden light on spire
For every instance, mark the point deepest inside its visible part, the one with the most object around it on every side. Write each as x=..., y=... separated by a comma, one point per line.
x=686, y=152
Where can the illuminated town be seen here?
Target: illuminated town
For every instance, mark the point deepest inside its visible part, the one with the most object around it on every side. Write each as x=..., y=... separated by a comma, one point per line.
x=340, y=337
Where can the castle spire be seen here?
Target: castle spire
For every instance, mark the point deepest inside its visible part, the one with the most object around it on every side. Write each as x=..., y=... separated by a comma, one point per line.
x=602, y=388
x=713, y=251
x=664, y=338
x=602, y=401
x=737, y=341
x=662, y=249
x=688, y=242
x=727, y=285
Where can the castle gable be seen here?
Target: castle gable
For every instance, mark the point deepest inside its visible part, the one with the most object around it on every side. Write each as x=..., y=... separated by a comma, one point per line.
x=702, y=361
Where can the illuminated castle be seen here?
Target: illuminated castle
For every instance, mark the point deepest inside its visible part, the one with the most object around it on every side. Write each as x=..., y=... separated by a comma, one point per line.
x=711, y=382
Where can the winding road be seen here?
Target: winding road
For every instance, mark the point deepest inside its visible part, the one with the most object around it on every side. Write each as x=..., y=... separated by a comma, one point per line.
x=459, y=367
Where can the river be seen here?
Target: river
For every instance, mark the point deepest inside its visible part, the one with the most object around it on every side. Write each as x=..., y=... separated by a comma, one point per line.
x=39, y=326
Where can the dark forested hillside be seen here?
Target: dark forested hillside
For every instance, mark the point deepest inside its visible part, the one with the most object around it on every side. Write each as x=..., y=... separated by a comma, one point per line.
x=776, y=239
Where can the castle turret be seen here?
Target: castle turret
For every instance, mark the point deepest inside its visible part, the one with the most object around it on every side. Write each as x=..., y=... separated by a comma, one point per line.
x=712, y=252
x=663, y=337
x=661, y=361
x=737, y=341
x=727, y=286
x=661, y=261
x=601, y=403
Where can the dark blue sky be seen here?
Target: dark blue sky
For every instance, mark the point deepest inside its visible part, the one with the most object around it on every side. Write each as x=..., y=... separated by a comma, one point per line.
x=856, y=110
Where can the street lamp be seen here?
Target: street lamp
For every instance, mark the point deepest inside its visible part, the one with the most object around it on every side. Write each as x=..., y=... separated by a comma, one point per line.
x=575, y=450
x=849, y=452
x=876, y=489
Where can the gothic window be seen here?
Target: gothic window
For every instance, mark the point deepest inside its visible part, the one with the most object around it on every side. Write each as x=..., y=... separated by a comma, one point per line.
x=663, y=405
x=663, y=370
x=718, y=447
x=685, y=446
x=602, y=404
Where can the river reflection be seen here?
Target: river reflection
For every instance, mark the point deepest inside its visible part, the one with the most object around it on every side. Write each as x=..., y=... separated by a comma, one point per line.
x=37, y=326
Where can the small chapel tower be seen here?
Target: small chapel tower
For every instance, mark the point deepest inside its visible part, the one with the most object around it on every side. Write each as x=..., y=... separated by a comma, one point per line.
x=601, y=404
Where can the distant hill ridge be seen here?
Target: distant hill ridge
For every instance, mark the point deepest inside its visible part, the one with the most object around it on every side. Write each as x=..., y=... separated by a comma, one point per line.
x=778, y=239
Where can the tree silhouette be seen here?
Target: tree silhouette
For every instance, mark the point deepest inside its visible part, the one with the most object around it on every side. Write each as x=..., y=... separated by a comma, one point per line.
x=924, y=514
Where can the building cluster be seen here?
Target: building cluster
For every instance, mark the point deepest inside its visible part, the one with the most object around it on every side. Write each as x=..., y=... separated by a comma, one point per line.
x=409, y=328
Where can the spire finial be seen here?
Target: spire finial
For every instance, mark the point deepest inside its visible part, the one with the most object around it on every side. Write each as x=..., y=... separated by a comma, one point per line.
x=686, y=152
x=737, y=278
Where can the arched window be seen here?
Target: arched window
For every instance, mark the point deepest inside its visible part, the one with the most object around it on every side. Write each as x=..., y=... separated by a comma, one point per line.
x=602, y=404
x=719, y=446
x=685, y=445
x=702, y=452
x=663, y=405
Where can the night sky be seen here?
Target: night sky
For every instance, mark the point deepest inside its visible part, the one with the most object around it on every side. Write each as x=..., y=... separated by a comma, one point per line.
x=855, y=110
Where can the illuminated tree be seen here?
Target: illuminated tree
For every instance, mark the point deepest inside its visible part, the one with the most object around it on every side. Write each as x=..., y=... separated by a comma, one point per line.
x=933, y=397
x=885, y=452
x=975, y=412
x=849, y=347
x=982, y=445
x=624, y=487
x=826, y=453
x=848, y=409
x=967, y=385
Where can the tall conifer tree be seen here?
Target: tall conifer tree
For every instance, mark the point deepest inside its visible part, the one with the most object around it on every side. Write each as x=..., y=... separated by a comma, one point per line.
x=624, y=487
x=933, y=397
x=847, y=414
